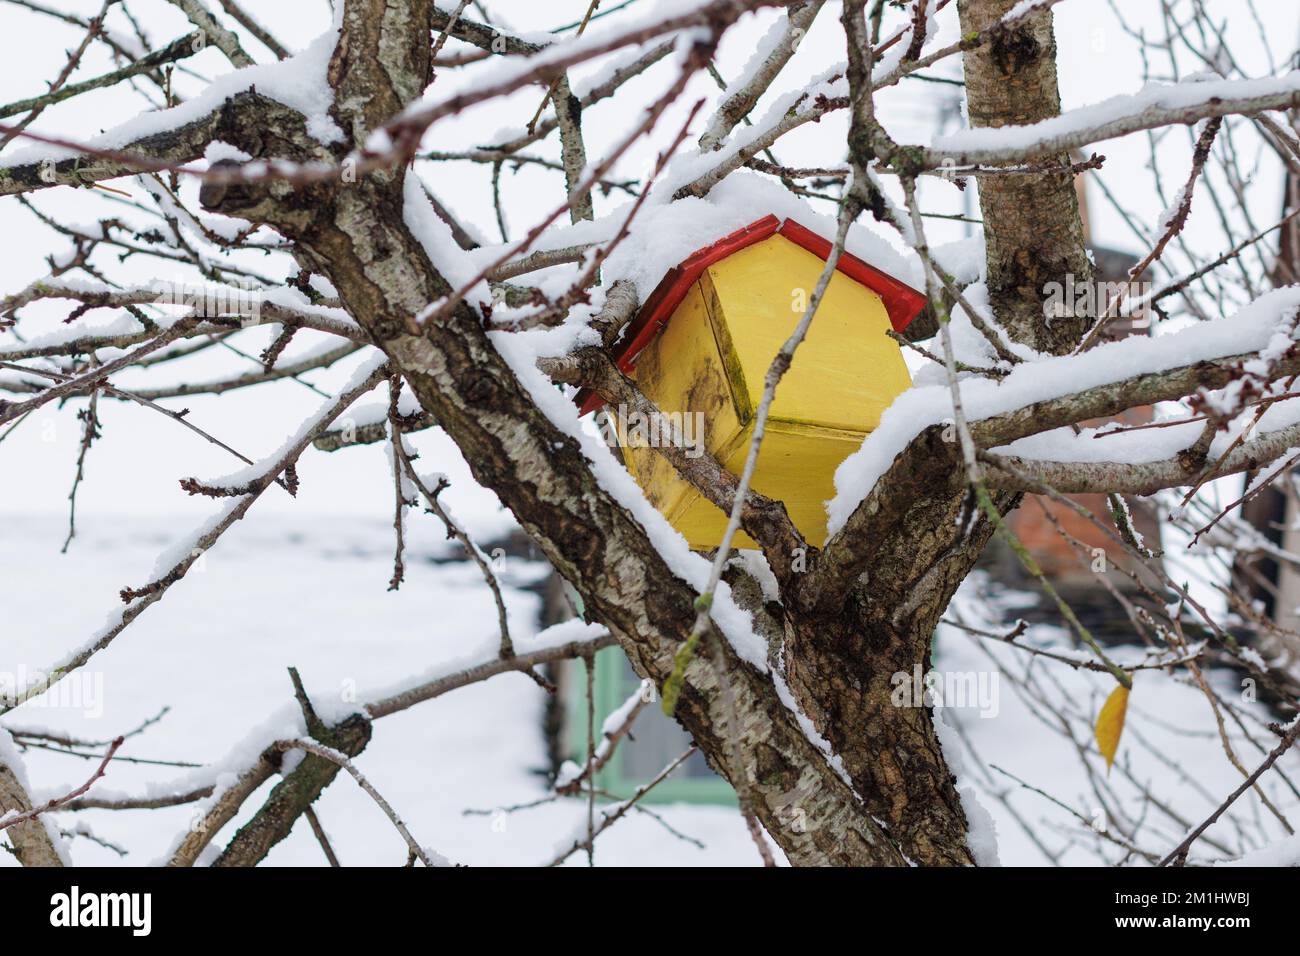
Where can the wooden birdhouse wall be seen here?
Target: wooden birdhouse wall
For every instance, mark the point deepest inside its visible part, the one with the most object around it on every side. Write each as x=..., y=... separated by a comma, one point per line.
x=712, y=356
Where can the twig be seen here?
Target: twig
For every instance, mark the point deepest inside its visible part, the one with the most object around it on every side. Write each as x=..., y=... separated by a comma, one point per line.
x=1179, y=853
x=11, y=820
x=609, y=818
x=321, y=838
x=335, y=756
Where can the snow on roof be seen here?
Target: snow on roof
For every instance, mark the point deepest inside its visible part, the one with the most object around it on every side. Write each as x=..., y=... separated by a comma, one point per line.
x=665, y=233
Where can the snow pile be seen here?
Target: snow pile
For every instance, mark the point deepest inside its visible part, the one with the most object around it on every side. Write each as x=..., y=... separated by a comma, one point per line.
x=982, y=831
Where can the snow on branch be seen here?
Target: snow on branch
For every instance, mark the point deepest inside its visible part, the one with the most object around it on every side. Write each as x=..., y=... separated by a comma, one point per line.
x=1155, y=105
x=1021, y=400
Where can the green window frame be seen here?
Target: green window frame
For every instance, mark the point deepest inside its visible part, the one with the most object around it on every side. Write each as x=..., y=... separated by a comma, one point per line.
x=615, y=681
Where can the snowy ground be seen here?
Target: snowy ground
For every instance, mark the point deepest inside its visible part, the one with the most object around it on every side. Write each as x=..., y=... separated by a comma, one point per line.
x=310, y=592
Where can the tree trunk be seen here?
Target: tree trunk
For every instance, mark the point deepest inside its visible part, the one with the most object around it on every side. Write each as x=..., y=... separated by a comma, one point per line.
x=1032, y=228
x=32, y=843
x=842, y=635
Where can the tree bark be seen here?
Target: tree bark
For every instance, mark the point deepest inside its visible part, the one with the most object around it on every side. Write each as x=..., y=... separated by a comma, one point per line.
x=1032, y=229
x=293, y=795
x=32, y=843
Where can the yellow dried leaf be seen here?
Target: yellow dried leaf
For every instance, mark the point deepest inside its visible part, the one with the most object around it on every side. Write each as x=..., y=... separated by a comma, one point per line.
x=1110, y=723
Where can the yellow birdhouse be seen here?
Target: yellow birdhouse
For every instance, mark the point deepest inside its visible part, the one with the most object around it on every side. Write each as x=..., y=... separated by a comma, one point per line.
x=701, y=345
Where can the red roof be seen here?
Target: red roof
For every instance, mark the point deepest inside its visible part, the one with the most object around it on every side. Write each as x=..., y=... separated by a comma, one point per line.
x=902, y=302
